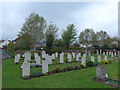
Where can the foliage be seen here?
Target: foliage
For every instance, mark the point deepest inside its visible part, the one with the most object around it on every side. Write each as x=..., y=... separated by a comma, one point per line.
x=24, y=42
x=86, y=37
x=11, y=49
x=66, y=60
x=89, y=63
x=34, y=25
x=51, y=35
x=69, y=35
x=36, y=73
x=105, y=62
x=25, y=77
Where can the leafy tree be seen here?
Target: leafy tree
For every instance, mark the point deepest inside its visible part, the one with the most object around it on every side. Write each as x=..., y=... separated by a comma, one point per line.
x=69, y=35
x=24, y=42
x=51, y=35
x=11, y=49
x=59, y=43
x=86, y=37
x=101, y=36
x=35, y=26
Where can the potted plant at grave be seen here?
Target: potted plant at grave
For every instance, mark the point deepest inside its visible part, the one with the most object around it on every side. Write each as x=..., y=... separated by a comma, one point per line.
x=105, y=62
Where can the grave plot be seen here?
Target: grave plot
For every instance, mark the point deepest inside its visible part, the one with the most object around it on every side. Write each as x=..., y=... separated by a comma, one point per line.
x=55, y=63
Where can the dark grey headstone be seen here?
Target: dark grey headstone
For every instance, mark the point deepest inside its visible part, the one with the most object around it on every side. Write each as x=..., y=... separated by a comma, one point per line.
x=101, y=72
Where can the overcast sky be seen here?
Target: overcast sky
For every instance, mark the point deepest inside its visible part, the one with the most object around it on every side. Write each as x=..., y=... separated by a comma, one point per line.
x=95, y=15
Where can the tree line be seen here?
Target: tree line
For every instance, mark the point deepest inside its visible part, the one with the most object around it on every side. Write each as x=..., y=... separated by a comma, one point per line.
x=35, y=30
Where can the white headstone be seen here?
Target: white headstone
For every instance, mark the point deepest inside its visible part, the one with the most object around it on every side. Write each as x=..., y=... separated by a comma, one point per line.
x=105, y=58
x=16, y=59
x=53, y=56
x=61, y=58
x=38, y=61
x=56, y=54
x=44, y=66
x=77, y=57
x=99, y=58
x=69, y=58
x=73, y=54
x=26, y=69
x=92, y=58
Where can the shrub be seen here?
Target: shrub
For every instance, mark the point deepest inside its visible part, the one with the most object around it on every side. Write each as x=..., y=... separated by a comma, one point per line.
x=25, y=77
x=81, y=66
x=32, y=65
x=75, y=67
x=89, y=63
x=45, y=74
x=58, y=69
x=105, y=62
x=11, y=49
x=66, y=60
x=36, y=73
x=69, y=68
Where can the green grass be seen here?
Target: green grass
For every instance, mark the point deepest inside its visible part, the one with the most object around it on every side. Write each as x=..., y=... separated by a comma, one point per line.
x=72, y=79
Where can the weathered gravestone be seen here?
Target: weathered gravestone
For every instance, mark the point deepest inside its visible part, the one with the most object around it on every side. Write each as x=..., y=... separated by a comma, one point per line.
x=103, y=53
x=26, y=69
x=101, y=72
x=44, y=66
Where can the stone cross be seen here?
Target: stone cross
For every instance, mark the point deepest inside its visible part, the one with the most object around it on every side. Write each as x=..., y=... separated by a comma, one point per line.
x=44, y=66
x=26, y=69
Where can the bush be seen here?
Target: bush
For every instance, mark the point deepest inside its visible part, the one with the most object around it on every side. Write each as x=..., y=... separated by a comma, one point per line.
x=75, y=67
x=25, y=77
x=11, y=49
x=105, y=62
x=32, y=65
x=81, y=66
x=36, y=73
x=69, y=68
x=58, y=69
x=66, y=60
x=89, y=63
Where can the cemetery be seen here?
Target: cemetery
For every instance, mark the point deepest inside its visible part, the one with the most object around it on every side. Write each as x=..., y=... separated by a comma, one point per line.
x=60, y=45
x=37, y=66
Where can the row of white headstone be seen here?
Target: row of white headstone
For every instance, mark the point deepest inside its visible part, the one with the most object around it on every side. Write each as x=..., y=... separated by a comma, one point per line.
x=48, y=60
x=107, y=53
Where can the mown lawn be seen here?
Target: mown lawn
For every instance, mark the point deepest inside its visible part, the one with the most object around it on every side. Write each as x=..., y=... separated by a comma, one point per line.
x=72, y=79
